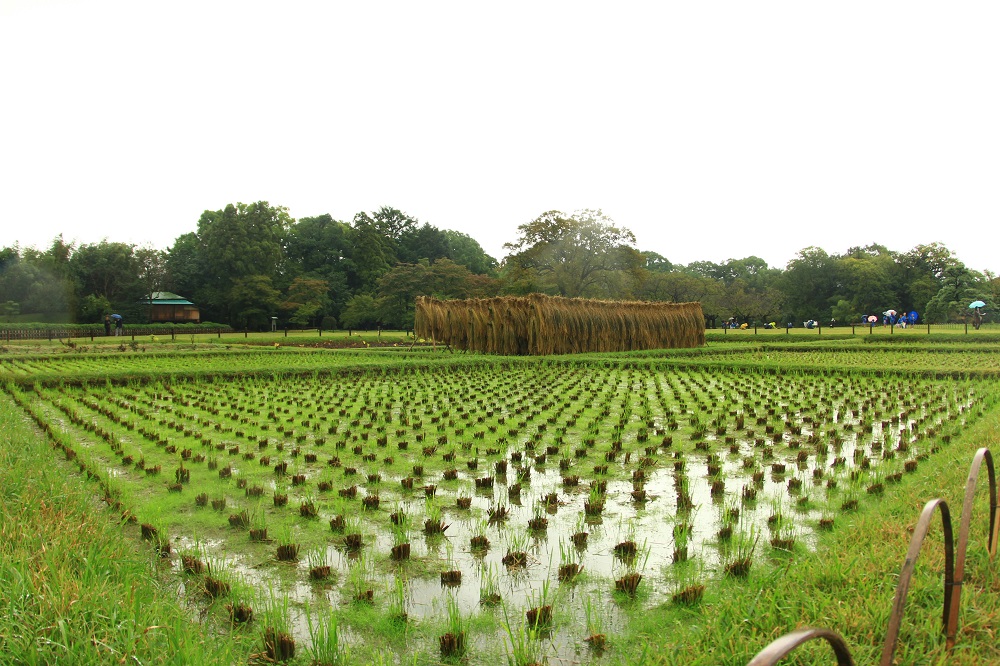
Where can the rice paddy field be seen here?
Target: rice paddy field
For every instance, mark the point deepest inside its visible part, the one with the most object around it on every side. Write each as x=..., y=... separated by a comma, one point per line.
x=416, y=505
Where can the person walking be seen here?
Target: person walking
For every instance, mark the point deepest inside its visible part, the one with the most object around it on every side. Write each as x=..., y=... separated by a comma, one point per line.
x=107, y=325
x=119, y=328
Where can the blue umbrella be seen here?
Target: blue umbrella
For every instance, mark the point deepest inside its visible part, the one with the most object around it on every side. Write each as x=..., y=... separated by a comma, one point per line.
x=116, y=316
x=912, y=316
x=977, y=304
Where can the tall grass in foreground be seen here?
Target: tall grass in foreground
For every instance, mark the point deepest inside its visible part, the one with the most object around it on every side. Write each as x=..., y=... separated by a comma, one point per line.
x=75, y=588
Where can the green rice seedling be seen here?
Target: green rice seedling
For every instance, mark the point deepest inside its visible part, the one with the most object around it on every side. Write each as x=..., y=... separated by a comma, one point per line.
x=540, y=615
x=538, y=523
x=569, y=562
x=288, y=549
x=479, y=543
x=258, y=523
x=521, y=642
x=850, y=498
x=688, y=583
x=738, y=559
x=489, y=586
x=877, y=481
x=276, y=633
x=359, y=580
x=433, y=524
x=309, y=508
x=452, y=642
x=326, y=646
x=783, y=538
x=593, y=506
x=354, y=537
x=401, y=541
x=242, y=599
x=776, y=516
x=319, y=563
x=193, y=559
x=517, y=549
x=218, y=579
x=681, y=531
x=396, y=594
x=452, y=575
x=596, y=621
x=498, y=513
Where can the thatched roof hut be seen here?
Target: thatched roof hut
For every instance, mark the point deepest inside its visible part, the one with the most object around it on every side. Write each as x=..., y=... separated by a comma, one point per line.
x=539, y=324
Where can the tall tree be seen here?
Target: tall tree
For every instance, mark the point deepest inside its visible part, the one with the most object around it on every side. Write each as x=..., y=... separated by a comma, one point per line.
x=465, y=250
x=106, y=269
x=372, y=254
x=307, y=301
x=241, y=241
x=184, y=273
x=809, y=282
x=423, y=242
x=580, y=255
x=253, y=300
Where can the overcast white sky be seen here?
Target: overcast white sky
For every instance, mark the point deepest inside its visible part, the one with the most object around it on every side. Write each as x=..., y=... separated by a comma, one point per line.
x=713, y=130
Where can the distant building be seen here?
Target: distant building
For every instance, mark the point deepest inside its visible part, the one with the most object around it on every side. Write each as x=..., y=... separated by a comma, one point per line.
x=165, y=306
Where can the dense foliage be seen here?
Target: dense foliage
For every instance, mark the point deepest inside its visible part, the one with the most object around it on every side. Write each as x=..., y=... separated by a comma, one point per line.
x=249, y=262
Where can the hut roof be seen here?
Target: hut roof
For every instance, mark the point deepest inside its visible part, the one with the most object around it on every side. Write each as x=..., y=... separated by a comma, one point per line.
x=167, y=298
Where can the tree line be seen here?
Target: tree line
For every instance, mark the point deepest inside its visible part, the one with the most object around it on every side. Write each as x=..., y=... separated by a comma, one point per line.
x=248, y=262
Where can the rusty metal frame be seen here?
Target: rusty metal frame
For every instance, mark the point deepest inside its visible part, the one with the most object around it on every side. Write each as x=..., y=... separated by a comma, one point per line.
x=903, y=587
x=782, y=646
x=982, y=455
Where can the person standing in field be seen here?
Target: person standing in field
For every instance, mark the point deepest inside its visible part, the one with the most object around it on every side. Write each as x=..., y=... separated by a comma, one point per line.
x=107, y=325
x=119, y=328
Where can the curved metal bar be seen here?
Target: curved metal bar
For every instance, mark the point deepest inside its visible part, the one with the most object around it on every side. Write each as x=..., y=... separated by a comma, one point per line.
x=982, y=455
x=903, y=587
x=783, y=645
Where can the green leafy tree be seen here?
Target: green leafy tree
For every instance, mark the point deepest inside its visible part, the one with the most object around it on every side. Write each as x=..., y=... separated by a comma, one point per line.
x=809, y=282
x=152, y=269
x=424, y=242
x=960, y=286
x=582, y=255
x=184, y=271
x=656, y=263
x=240, y=242
x=39, y=282
x=93, y=308
x=109, y=270
x=866, y=283
x=751, y=305
x=318, y=246
x=397, y=293
x=307, y=301
x=360, y=312
x=253, y=300
x=372, y=254
x=393, y=223
x=465, y=250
